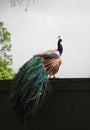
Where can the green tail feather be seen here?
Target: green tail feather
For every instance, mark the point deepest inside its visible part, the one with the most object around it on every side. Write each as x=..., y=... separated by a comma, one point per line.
x=30, y=88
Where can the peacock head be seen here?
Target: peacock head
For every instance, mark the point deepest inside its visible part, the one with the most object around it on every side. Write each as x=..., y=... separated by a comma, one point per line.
x=59, y=39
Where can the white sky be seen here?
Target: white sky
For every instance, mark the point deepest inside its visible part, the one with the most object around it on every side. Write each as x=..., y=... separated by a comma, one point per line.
x=37, y=30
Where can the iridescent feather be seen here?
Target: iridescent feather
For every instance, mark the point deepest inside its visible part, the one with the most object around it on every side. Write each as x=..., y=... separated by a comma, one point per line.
x=32, y=84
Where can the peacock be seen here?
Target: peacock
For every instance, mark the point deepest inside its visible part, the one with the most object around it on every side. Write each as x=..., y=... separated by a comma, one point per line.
x=32, y=82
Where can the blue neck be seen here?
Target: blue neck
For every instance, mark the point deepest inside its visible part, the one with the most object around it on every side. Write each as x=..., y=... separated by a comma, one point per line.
x=60, y=47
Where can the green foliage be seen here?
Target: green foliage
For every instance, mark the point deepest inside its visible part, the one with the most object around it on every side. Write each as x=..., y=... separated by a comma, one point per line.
x=4, y=74
x=5, y=57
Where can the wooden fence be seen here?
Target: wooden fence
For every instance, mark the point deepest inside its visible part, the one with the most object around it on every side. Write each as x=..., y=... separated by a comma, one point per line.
x=67, y=108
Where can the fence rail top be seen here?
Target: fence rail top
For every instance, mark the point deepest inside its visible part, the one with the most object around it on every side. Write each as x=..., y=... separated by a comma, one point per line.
x=57, y=83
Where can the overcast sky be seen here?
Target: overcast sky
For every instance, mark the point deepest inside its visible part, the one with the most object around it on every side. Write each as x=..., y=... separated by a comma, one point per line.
x=37, y=30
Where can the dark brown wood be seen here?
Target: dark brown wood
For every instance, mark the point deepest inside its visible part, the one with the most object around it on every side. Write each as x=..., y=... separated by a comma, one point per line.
x=68, y=107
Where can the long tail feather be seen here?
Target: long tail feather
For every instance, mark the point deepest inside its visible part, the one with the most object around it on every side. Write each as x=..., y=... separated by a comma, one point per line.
x=30, y=89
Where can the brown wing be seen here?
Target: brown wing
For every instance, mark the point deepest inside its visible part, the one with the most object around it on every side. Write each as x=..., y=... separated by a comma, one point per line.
x=52, y=65
x=52, y=54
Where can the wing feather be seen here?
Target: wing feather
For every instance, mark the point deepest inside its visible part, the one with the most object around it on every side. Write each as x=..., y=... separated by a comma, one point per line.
x=52, y=66
x=53, y=54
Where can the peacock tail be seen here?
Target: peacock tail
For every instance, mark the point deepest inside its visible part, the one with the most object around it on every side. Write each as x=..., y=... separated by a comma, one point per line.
x=31, y=87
